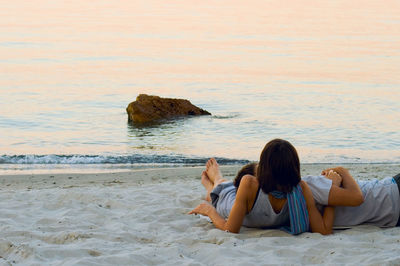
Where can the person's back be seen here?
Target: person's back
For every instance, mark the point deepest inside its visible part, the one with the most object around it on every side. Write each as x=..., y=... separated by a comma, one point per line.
x=261, y=215
x=278, y=178
x=381, y=206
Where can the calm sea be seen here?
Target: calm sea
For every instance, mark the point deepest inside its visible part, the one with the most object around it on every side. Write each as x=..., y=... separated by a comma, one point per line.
x=324, y=75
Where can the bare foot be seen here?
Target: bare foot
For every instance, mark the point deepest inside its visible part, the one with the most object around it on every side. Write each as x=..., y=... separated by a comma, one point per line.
x=205, y=180
x=207, y=184
x=213, y=171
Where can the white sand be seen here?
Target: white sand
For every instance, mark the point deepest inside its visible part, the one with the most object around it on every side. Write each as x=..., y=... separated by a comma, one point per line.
x=139, y=218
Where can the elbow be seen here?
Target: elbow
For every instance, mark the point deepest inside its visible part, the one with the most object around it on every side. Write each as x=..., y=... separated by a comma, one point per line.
x=230, y=230
x=233, y=231
x=326, y=232
x=358, y=199
x=361, y=200
x=323, y=230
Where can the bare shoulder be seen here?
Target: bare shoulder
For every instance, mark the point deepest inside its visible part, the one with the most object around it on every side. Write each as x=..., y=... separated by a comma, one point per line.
x=304, y=186
x=249, y=182
x=247, y=191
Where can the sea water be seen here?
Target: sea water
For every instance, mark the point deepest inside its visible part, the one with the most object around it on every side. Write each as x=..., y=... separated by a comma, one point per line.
x=323, y=75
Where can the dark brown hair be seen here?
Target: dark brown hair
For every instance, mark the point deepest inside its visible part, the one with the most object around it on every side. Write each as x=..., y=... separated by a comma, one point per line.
x=248, y=169
x=279, y=167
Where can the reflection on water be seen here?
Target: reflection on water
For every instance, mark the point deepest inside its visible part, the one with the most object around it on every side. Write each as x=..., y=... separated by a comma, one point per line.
x=162, y=125
x=159, y=136
x=323, y=75
x=144, y=136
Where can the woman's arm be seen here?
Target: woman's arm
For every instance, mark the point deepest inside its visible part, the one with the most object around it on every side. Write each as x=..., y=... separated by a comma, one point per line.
x=318, y=224
x=239, y=209
x=207, y=209
x=349, y=194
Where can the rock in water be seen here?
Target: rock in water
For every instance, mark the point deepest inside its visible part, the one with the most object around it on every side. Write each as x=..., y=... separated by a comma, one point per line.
x=148, y=108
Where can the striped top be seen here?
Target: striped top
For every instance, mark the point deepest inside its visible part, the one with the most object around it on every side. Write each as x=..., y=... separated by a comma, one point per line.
x=298, y=214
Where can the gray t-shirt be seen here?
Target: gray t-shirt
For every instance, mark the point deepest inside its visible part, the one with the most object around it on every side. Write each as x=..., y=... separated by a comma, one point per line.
x=261, y=215
x=381, y=206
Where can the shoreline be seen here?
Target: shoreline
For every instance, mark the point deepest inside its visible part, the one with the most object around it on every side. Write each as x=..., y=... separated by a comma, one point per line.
x=149, y=175
x=98, y=168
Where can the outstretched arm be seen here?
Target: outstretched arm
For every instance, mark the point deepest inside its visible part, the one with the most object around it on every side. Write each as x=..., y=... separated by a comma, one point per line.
x=207, y=209
x=318, y=223
x=239, y=209
x=349, y=194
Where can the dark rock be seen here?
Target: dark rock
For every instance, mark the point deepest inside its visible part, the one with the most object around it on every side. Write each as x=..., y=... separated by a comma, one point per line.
x=148, y=108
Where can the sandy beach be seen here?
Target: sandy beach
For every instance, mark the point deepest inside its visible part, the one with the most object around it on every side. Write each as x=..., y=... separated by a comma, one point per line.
x=140, y=218
x=323, y=75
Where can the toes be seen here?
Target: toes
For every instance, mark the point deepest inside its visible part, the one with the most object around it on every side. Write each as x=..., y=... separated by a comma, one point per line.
x=208, y=163
x=213, y=161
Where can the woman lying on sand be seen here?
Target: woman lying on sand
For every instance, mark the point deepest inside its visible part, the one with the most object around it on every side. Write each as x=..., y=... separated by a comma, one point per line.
x=276, y=197
x=378, y=205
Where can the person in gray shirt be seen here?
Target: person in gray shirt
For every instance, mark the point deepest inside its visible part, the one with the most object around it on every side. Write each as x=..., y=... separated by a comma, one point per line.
x=380, y=204
x=274, y=196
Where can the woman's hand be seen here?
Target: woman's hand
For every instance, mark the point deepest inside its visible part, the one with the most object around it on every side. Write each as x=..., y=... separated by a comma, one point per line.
x=203, y=209
x=335, y=177
x=207, y=209
x=349, y=193
x=248, y=188
x=340, y=170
